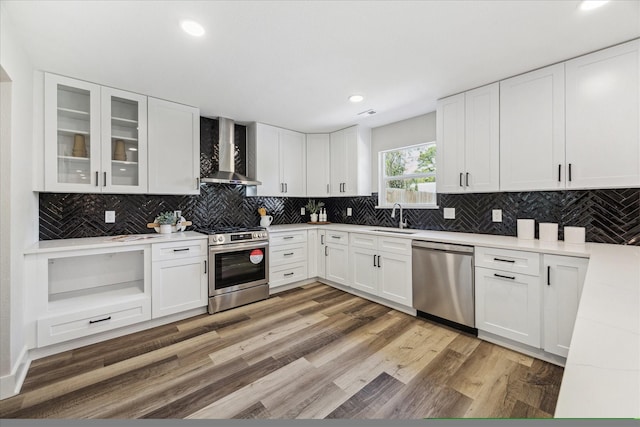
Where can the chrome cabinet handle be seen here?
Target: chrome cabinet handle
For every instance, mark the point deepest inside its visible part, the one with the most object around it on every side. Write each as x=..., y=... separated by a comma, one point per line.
x=504, y=277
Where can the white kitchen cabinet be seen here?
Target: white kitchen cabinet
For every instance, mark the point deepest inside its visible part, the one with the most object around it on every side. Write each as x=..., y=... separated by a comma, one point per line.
x=564, y=277
x=95, y=138
x=178, y=277
x=337, y=257
x=312, y=253
x=288, y=262
x=318, y=165
x=508, y=296
x=281, y=161
x=322, y=253
x=468, y=141
x=77, y=293
x=381, y=266
x=532, y=131
x=350, y=170
x=174, y=148
x=603, y=118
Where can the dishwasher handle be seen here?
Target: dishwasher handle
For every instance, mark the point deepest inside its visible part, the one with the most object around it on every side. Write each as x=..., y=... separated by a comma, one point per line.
x=445, y=247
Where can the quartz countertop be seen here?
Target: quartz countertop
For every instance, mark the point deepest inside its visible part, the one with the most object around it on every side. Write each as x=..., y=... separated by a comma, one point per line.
x=602, y=373
x=60, y=245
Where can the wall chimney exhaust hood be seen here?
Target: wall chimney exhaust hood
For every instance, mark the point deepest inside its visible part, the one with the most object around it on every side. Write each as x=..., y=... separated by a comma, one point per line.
x=226, y=173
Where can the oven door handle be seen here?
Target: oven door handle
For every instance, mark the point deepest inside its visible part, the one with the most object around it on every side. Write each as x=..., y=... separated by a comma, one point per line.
x=234, y=247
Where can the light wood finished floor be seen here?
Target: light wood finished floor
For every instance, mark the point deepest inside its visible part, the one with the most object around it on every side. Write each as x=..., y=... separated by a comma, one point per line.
x=312, y=352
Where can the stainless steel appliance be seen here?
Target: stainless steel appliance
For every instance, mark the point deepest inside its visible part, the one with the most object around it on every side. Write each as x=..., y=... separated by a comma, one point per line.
x=239, y=267
x=443, y=288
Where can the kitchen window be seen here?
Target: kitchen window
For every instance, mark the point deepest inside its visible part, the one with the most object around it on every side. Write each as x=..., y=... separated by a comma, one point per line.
x=408, y=176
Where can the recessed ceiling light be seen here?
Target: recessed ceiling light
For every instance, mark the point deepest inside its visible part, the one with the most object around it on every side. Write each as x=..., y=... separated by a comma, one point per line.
x=356, y=98
x=192, y=28
x=592, y=4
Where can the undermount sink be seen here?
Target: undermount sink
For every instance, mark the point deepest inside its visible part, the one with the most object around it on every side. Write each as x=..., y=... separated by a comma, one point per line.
x=387, y=230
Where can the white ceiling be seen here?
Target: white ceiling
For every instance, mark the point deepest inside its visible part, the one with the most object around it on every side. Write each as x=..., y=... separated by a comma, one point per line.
x=293, y=64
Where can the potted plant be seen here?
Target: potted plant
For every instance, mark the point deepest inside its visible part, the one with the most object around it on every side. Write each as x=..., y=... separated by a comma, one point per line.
x=314, y=207
x=166, y=220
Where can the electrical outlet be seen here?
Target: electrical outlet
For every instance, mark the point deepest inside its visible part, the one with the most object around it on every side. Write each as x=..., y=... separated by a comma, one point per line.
x=449, y=213
x=349, y=212
x=109, y=217
x=496, y=215
x=302, y=211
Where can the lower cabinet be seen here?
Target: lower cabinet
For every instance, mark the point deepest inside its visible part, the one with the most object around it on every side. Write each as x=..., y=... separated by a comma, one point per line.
x=384, y=273
x=508, y=305
x=564, y=277
x=288, y=252
x=179, y=276
x=336, y=257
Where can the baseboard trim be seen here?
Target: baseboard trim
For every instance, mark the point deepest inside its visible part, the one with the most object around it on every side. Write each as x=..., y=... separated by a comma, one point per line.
x=11, y=384
x=536, y=353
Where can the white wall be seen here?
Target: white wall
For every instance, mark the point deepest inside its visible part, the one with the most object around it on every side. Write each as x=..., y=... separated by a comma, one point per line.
x=400, y=134
x=22, y=207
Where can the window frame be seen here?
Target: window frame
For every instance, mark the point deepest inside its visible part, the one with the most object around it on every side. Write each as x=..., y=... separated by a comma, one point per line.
x=383, y=179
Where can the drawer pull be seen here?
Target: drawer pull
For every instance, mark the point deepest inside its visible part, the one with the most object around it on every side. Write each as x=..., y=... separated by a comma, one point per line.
x=336, y=237
x=289, y=254
x=504, y=277
x=287, y=237
x=99, y=320
x=181, y=250
x=505, y=260
x=288, y=274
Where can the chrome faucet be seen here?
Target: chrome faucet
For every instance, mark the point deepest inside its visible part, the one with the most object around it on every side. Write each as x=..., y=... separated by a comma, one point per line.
x=402, y=223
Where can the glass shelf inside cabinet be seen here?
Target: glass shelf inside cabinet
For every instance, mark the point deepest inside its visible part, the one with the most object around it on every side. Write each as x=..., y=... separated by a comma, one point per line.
x=74, y=137
x=124, y=141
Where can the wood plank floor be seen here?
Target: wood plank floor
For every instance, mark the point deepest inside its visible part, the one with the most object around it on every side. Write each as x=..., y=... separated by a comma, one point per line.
x=311, y=352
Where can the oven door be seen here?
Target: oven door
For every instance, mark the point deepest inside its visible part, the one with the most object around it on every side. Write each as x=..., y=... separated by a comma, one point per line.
x=236, y=267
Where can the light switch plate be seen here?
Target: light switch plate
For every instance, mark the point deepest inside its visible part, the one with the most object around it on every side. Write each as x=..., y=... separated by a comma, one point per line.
x=109, y=217
x=302, y=212
x=349, y=212
x=496, y=215
x=449, y=213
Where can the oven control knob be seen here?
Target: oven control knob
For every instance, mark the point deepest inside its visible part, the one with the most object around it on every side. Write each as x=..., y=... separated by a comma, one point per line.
x=263, y=234
x=254, y=235
x=220, y=239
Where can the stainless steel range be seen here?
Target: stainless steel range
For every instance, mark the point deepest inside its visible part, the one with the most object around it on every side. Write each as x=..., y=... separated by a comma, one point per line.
x=239, y=267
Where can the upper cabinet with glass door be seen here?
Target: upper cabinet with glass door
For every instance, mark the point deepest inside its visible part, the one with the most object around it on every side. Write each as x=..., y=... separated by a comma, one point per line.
x=95, y=138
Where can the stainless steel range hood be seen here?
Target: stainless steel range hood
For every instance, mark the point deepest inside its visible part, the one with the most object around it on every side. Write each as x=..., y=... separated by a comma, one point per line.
x=226, y=173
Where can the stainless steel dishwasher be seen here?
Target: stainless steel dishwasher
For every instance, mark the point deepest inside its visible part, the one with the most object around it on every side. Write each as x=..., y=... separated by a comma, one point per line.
x=443, y=288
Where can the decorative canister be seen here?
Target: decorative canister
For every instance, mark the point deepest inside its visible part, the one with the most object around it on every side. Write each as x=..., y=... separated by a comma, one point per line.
x=118, y=152
x=526, y=229
x=79, y=146
x=548, y=232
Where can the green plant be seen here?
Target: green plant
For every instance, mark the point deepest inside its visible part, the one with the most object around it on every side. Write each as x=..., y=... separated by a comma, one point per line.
x=166, y=218
x=314, y=207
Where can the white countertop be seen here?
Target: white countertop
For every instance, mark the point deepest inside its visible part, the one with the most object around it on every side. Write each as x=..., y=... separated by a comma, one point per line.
x=602, y=373
x=110, y=241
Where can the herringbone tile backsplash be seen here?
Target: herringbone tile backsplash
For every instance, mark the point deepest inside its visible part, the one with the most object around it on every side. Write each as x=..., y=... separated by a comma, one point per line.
x=610, y=216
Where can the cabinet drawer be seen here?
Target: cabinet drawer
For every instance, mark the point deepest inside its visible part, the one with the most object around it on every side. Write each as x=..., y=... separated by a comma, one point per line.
x=394, y=245
x=66, y=327
x=337, y=237
x=289, y=273
x=287, y=254
x=287, y=238
x=508, y=260
x=176, y=250
x=365, y=241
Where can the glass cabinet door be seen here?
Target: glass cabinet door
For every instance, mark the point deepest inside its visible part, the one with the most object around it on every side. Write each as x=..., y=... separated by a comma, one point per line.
x=124, y=141
x=72, y=135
